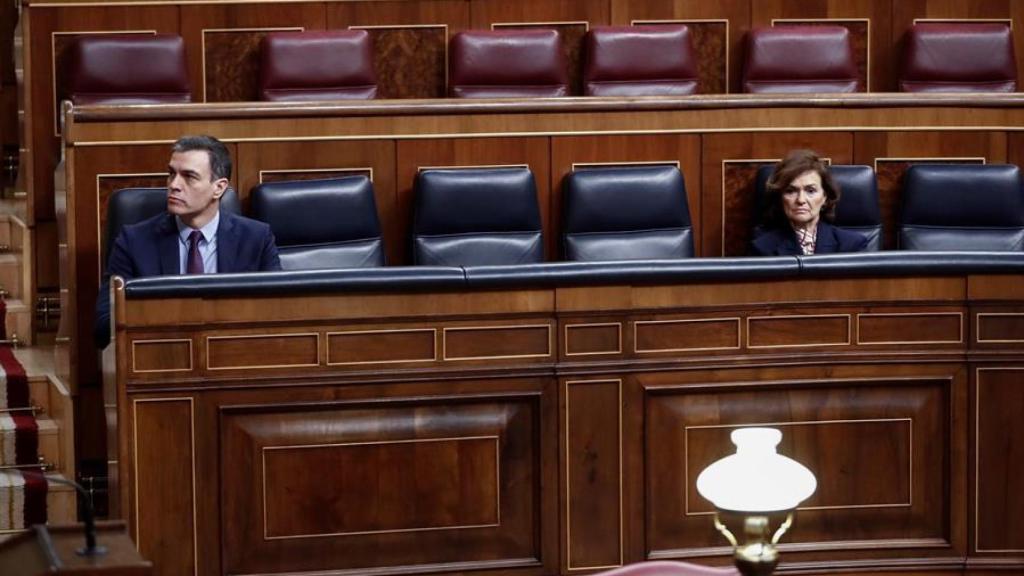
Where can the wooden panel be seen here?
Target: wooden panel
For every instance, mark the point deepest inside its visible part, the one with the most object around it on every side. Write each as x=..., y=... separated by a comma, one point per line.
x=420, y=478
x=497, y=342
x=413, y=155
x=868, y=22
x=226, y=39
x=593, y=339
x=809, y=330
x=687, y=335
x=594, y=475
x=164, y=521
x=996, y=327
x=878, y=447
x=910, y=328
x=892, y=152
x=571, y=19
x=455, y=487
x=730, y=162
x=169, y=355
x=718, y=29
x=998, y=452
x=410, y=41
x=250, y=351
x=381, y=346
x=570, y=152
x=294, y=159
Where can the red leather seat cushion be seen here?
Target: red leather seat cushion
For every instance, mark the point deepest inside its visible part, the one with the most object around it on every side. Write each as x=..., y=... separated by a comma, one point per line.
x=320, y=65
x=507, y=64
x=127, y=69
x=959, y=57
x=639, y=60
x=800, y=59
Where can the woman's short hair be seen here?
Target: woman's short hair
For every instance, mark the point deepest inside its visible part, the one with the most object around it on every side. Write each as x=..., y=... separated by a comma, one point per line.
x=790, y=168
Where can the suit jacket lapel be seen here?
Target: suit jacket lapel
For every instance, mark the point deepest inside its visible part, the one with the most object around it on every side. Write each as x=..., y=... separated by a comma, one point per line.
x=170, y=259
x=826, y=241
x=227, y=243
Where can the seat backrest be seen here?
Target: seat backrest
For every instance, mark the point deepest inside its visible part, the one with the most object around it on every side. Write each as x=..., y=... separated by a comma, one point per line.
x=668, y=568
x=626, y=213
x=858, y=209
x=640, y=61
x=517, y=63
x=476, y=216
x=962, y=207
x=328, y=223
x=127, y=69
x=959, y=57
x=317, y=65
x=800, y=59
x=132, y=205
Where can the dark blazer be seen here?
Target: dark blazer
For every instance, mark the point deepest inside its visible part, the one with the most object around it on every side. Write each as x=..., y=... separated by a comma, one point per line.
x=782, y=241
x=150, y=248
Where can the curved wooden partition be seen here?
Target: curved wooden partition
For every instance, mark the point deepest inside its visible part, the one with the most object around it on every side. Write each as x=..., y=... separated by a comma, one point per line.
x=552, y=420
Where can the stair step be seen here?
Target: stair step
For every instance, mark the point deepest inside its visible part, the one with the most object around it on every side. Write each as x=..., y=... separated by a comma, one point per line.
x=19, y=321
x=61, y=506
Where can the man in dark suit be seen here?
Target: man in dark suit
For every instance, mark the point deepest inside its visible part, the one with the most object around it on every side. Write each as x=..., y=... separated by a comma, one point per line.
x=194, y=236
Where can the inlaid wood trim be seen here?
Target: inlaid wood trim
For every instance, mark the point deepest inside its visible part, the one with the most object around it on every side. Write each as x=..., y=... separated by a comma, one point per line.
x=314, y=170
x=977, y=458
x=497, y=490
x=1007, y=21
x=867, y=21
x=53, y=66
x=471, y=167
x=135, y=464
x=135, y=343
x=432, y=331
x=910, y=462
x=567, y=327
x=849, y=330
x=959, y=315
x=446, y=330
x=568, y=504
x=585, y=23
x=267, y=335
x=977, y=327
x=638, y=350
x=408, y=26
x=697, y=21
x=947, y=159
x=202, y=49
x=576, y=165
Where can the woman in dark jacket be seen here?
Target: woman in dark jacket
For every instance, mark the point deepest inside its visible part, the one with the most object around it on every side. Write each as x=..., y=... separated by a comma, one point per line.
x=801, y=202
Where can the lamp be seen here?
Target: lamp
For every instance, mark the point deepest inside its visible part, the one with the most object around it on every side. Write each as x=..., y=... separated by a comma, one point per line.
x=755, y=491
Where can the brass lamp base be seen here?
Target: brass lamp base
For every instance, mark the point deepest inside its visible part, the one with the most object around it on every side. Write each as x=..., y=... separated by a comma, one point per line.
x=756, y=555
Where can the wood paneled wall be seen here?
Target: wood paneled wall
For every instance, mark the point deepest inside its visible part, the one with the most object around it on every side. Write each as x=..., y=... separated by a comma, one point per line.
x=561, y=430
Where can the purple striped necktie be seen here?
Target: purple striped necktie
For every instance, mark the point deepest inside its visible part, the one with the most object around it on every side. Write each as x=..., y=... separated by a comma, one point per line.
x=195, y=259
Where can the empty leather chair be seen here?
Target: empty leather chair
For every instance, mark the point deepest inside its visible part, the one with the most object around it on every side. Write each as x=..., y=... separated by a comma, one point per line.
x=329, y=223
x=475, y=217
x=962, y=207
x=626, y=213
x=668, y=568
x=321, y=65
x=800, y=59
x=959, y=57
x=508, y=64
x=858, y=209
x=639, y=61
x=127, y=69
x=132, y=205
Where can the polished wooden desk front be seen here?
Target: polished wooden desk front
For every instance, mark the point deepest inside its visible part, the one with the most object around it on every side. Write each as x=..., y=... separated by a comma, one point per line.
x=555, y=430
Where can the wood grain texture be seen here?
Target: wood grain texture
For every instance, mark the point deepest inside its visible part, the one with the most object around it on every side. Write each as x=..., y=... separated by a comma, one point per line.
x=998, y=452
x=411, y=62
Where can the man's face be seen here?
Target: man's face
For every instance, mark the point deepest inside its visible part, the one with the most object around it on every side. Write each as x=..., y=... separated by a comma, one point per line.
x=191, y=193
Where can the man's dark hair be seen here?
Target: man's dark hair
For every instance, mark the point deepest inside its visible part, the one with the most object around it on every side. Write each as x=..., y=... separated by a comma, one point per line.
x=796, y=163
x=220, y=158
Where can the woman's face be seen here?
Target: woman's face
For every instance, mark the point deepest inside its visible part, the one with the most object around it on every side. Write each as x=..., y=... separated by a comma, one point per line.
x=803, y=198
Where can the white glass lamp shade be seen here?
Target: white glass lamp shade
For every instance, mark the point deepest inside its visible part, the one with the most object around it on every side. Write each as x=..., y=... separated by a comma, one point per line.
x=756, y=478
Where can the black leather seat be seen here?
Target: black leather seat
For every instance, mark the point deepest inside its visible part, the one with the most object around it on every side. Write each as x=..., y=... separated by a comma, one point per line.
x=133, y=205
x=966, y=207
x=475, y=217
x=321, y=223
x=858, y=209
x=626, y=213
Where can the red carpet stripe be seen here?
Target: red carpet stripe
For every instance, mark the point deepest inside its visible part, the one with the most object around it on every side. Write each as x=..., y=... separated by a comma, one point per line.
x=26, y=439
x=13, y=380
x=35, y=499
